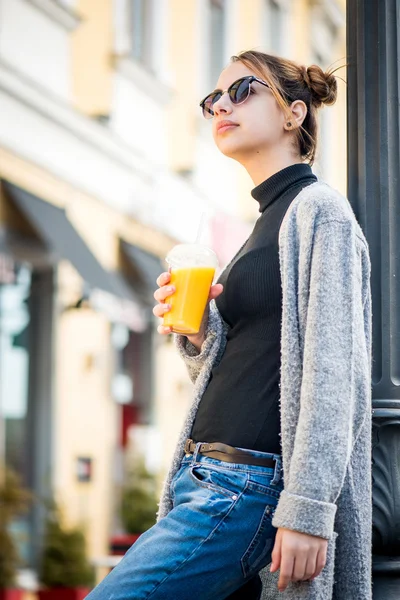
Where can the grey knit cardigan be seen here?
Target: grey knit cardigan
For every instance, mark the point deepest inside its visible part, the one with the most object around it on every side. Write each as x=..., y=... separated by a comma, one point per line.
x=325, y=387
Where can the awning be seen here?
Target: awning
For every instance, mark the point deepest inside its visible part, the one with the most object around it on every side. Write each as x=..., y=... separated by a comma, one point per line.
x=62, y=239
x=148, y=267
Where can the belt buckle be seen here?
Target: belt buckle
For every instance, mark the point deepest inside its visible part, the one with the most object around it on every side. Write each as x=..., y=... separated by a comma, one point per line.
x=187, y=446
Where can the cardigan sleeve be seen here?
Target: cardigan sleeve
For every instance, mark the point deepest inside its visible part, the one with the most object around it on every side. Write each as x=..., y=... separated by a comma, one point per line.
x=324, y=433
x=193, y=359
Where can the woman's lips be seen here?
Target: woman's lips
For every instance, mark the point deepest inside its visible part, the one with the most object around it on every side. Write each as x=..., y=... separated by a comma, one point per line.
x=225, y=128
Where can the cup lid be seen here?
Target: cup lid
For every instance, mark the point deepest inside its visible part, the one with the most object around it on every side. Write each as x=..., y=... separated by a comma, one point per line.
x=192, y=255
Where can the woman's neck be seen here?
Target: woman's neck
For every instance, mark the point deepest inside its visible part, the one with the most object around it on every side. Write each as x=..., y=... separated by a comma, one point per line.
x=261, y=166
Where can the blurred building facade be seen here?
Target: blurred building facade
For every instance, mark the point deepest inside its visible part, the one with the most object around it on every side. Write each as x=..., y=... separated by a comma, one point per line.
x=105, y=164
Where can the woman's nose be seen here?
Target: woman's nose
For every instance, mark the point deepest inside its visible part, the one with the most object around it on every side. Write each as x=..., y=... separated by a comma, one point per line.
x=223, y=105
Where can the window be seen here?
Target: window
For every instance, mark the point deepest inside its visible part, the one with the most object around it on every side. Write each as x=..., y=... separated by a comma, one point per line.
x=137, y=361
x=14, y=365
x=26, y=301
x=72, y=4
x=275, y=26
x=134, y=374
x=217, y=39
x=141, y=30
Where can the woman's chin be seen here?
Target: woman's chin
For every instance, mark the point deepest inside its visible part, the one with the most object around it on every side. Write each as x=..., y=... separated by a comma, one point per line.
x=230, y=150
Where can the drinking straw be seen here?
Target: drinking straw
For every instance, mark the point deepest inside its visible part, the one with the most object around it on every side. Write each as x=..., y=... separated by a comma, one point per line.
x=200, y=229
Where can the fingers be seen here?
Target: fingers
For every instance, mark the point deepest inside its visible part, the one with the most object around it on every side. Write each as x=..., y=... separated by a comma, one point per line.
x=286, y=574
x=161, y=295
x=163, y=279
x=215, y=291
x=164, y=292
x=310, y=567
x=320, y=562
x=164, y=330
x=161, y=309
x=299, y=568
x=302, y=556
x=276, y=553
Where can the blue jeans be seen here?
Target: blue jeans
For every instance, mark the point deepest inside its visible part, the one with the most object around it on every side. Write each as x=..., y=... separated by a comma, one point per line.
x=213, y=542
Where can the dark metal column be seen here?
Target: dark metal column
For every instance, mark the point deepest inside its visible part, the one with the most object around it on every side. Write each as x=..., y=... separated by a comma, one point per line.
x=373, y=55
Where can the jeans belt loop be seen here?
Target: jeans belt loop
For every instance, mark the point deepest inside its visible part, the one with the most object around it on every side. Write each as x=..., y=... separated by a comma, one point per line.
x=187, y=445
x=277, y=472
x=196, y=451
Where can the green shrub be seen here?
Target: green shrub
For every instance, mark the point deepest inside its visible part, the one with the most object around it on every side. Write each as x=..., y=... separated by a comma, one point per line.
x=14, y=500
x=64, y=561
x=139, y=500
x=9, y=559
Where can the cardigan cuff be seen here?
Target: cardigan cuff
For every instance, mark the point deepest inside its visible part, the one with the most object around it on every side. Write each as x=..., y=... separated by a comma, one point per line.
x=189, y=352
x=305, y=515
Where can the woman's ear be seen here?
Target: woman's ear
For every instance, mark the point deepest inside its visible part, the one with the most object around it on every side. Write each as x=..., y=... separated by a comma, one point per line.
x=296, y=116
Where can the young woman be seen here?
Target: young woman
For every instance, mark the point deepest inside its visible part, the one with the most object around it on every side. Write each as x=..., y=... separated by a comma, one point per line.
x=273, y=463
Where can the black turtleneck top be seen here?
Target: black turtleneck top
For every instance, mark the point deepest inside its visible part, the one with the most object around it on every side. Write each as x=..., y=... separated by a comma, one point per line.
x=240, y=406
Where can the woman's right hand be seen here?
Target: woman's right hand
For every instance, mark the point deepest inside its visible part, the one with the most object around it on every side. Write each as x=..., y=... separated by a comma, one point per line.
x=165, y=290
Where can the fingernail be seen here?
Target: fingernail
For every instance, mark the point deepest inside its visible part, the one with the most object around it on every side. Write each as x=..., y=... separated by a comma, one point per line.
x=170, y=288
x=167, y=307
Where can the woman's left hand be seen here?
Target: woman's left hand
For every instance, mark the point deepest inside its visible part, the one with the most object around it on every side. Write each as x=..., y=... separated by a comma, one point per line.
x=299, y=556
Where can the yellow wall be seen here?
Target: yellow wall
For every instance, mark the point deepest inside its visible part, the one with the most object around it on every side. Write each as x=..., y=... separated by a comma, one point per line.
x=92, y=44
x=248, y=35
x=85, y=422
x=300, y=30
x=182, y=52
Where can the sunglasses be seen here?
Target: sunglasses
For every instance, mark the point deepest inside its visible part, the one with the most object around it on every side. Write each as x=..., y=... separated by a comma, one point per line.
x=238, y=92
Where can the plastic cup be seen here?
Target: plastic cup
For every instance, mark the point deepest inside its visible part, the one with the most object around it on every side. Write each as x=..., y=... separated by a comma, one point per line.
x=192, y=268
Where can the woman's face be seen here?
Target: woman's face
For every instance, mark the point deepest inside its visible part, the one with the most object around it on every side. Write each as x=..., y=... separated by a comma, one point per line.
x=259, y=120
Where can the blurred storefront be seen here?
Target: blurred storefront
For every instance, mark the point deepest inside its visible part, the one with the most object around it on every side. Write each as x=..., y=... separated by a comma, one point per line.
x=76, y=356
x=26, y=293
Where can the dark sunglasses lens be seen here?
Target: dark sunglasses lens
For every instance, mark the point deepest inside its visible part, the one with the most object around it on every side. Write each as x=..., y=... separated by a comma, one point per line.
x=208, y=103
x=239, y=91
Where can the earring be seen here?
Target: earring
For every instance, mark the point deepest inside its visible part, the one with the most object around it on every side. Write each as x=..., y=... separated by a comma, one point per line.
x=289, y=124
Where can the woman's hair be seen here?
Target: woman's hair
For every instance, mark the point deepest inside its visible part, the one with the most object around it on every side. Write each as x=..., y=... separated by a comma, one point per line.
x=290, y=81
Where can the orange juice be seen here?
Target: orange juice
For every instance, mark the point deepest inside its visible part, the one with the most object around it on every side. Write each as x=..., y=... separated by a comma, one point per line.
x=188, y=302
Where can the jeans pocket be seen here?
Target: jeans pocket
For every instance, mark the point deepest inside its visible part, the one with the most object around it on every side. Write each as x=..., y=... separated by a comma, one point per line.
x=258, y=553
x=225, y=482
x=174, y=481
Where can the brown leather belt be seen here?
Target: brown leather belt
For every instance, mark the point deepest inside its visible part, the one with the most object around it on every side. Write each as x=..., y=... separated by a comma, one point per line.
x=228, y=454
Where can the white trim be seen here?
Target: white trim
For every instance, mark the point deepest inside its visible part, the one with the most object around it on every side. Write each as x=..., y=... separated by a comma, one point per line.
x=89, y=132
x=283, y=4
x=285, y=17
x=143, y=79
x=160, y=40
x=59, y=13
x=325, y=28
x=202, y=49
x=232, y=26
x=334, y=13
x=122, y=42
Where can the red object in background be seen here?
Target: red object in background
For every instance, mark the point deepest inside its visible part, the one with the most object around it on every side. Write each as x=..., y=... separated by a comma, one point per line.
x=130, y=416
x=63, y=594
x=119, y=544
x=11, y=594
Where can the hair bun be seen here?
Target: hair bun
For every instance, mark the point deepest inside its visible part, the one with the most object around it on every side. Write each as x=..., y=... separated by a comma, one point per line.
x=323, y=86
